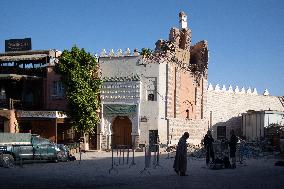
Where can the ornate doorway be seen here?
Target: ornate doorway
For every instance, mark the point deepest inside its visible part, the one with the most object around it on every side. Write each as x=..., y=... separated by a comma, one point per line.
x=122, y=128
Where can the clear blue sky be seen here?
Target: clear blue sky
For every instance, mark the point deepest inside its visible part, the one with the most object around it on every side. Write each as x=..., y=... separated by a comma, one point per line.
x=246, y=37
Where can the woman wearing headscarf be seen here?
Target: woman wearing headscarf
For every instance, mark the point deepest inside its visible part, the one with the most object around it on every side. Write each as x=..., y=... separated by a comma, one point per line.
x=180, y=163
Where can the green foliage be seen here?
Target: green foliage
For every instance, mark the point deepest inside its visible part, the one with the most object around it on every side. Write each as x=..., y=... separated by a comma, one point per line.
x=78, y=71
x=146, y=52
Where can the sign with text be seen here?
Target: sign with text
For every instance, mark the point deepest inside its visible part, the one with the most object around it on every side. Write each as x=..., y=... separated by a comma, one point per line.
x=18, y=44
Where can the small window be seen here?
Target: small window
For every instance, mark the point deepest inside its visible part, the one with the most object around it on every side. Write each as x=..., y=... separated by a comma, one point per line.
x=187, y=114
x=151, y=97
x=151, y=88
x=58, y=89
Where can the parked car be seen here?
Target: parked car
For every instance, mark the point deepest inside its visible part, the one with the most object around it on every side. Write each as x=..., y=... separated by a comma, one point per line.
x=25, y=146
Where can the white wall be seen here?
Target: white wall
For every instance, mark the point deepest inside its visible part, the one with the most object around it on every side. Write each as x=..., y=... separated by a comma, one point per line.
x=154, y=111
x=275, y=117
x=227, y=107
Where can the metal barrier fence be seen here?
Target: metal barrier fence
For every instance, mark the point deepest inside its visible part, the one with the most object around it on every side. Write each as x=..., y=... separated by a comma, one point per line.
x=120, y=155
x=151, y=151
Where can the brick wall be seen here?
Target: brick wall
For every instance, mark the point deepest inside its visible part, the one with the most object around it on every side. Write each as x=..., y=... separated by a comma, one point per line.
x=195, y=128
x=184, y=93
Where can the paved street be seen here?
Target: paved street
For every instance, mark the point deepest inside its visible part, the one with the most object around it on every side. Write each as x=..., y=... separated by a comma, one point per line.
x=93, y=172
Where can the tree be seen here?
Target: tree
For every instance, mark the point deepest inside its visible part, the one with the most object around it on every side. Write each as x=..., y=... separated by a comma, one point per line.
x=79, y=74
x=146, y=52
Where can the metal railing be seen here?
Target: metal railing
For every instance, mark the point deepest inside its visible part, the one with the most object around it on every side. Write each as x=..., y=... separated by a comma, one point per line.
x=121, y=156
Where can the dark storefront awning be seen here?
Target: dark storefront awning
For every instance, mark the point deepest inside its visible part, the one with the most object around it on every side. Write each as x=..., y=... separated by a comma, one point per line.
x=22, y=57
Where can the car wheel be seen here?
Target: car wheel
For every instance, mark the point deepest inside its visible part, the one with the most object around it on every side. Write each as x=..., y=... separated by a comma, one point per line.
x=7, y=160
x=61, y=156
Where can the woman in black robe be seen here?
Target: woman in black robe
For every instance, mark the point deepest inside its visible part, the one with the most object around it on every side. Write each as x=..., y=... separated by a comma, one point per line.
x=208, y=143
x=180, y=163
x=233, y=146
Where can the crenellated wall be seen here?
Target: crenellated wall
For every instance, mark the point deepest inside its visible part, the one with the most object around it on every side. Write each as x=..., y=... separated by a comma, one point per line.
x=118, y=53
x=225, y=106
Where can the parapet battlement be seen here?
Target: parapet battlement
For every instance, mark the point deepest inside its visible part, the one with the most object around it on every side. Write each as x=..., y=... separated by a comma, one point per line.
x=236, y=90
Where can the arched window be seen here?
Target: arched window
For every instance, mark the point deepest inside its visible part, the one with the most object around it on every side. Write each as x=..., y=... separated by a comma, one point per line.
x=187, y=114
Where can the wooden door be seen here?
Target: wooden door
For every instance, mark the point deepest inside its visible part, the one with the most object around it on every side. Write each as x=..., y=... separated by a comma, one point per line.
x=122, y=128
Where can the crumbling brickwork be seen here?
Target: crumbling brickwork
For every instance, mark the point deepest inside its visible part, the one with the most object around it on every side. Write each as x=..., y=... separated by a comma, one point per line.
x=187, y=82
x=187, y=73
x=199, y=57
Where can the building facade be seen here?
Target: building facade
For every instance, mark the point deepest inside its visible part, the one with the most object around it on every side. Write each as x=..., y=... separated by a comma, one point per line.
x=32, y=95
x=145, y=98
x=169, y=94
x=161, y=95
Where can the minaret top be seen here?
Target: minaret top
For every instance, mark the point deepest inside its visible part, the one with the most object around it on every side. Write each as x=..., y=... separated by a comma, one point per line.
x=182, y=20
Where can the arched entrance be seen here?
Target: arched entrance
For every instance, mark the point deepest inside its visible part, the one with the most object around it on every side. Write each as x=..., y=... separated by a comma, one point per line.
x=121, y=129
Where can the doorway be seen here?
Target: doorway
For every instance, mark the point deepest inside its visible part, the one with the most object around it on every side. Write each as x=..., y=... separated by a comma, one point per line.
x=122, y=128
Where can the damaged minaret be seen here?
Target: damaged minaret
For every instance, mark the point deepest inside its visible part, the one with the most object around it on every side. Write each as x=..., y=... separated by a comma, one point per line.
x=181, y=37
x=178, y=49
x=178, y=45
x=183, y=20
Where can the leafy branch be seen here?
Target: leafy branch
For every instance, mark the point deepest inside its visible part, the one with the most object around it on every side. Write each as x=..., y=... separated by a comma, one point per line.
x=79, y=74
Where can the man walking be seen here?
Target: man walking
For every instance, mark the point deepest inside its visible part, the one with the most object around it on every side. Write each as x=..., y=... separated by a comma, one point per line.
x=180, y=163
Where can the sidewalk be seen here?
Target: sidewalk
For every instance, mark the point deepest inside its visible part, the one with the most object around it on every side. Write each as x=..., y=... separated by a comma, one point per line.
x=93, y=172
